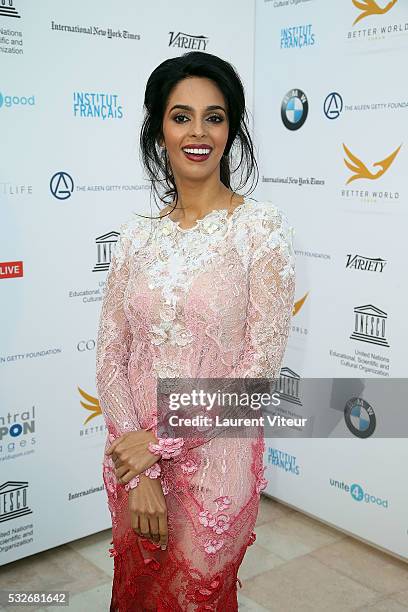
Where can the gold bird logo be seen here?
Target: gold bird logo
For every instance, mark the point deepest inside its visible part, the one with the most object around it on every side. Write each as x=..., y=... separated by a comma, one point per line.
x=370, y=7
x=298, y=305
x=361, y=171
x=94, y=406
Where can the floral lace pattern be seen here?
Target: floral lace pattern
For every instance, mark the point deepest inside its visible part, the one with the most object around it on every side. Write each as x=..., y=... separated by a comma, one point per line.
x=210, y=301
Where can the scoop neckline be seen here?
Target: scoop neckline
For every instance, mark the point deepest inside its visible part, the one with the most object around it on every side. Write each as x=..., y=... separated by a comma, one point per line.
x=215, y=211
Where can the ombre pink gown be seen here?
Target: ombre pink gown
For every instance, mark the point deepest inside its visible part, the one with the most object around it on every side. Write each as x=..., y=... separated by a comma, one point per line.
x=211, y=301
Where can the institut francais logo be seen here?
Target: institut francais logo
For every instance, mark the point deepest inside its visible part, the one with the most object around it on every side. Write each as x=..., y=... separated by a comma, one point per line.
x=360, y=170
x=370, y=7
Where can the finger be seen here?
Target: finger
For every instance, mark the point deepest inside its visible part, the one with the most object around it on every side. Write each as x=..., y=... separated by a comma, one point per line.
x=144, y=526
x=127, y=477
x=154, y=528
x=114, y=444
x=121, y=471
x=134, y=522
x=163, y=530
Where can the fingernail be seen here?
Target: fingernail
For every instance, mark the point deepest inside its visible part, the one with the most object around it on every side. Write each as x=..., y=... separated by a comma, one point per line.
x=163, y=547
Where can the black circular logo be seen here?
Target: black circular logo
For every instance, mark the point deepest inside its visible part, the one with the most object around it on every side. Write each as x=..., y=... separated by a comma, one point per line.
x=333, y=105
x=61, y=185
x=360, y=417
x=294, y=109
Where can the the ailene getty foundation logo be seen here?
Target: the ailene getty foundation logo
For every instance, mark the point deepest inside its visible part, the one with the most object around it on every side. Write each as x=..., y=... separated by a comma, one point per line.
x=370, y=7
x=361, y=171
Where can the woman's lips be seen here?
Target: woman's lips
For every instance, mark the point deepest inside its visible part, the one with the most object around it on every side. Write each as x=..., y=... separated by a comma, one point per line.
x=197, y=157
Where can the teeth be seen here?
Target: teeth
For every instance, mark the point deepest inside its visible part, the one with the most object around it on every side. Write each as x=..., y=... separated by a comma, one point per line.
x=197, y=151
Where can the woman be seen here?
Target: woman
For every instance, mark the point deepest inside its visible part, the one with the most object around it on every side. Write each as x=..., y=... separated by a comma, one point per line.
x=204, y=290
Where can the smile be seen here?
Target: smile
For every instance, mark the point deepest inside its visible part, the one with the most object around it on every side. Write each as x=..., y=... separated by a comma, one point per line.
x=197, y=154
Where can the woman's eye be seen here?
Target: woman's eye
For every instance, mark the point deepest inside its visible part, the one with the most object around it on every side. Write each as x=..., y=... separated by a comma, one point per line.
x=178, y=117
x=213, y=118
x=219, y=119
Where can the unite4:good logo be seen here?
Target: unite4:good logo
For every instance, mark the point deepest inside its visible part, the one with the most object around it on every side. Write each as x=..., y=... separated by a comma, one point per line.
x=8, y=101
x=358, y=494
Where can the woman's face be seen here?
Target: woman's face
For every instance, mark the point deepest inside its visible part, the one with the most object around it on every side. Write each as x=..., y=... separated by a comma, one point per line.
x=195, y=118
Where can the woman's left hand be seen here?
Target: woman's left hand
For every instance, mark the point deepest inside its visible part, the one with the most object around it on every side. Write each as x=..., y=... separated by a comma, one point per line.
x=131, y=455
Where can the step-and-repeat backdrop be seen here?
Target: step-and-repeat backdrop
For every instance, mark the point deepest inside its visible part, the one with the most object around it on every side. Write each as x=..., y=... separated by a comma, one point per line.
x=331, y=110
x=329, y=107
x=71, y=93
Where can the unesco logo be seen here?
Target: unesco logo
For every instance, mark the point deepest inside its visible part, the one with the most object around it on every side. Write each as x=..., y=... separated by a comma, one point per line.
x=333, y=105
x=294, y=109
x=360, y=417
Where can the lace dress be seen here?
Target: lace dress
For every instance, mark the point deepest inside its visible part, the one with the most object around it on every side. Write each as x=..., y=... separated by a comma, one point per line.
x=211, y=301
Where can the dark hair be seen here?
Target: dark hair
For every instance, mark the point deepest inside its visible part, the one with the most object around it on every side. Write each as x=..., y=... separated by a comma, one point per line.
x=159, y=86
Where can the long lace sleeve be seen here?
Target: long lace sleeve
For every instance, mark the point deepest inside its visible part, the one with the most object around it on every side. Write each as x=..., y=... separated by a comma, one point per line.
x=271, y=297
x=113, y=346
x=271, y=286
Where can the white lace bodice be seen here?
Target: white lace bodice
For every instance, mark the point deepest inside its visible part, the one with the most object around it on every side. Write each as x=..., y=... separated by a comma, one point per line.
x=214, y=300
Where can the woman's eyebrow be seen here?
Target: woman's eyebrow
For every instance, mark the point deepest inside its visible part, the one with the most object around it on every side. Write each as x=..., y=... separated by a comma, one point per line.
x=190, y=108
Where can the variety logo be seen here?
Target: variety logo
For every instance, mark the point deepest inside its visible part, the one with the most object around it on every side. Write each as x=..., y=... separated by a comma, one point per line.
x=11, y=269
x=61, y=185
x=360, y=417
x=360, y=170
x=283, y=461
x=368, y=8
x=9, y=101
x=97, y=105
x=105, y=246
x=367, y=264
x=333, y=105
x=188, y=41
x=358, y=494
x=297, y=37
x=13, y=496
x=294, y=109
x=7, y=9
x=369, y=325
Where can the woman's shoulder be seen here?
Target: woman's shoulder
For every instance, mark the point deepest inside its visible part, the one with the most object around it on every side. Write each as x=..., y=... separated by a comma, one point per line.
x=135, y=229
x=266, y=216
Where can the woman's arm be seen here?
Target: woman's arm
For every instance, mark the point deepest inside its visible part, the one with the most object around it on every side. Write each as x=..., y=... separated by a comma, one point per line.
x=271, y=297
x=113, y=347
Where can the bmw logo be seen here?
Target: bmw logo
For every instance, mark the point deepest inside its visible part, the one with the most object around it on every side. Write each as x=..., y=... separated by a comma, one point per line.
x=359, y=417
x=294, y=109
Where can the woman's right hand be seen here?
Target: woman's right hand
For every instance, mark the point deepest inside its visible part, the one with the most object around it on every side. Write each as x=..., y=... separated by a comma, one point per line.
x=148, y=510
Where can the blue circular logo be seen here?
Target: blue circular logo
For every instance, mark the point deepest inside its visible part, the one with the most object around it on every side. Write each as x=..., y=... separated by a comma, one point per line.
x=356, y=492
x=360, y=417
x=294, y=109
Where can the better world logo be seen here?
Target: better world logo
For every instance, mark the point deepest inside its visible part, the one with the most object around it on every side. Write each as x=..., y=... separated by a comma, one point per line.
x=370, y=7
x=360, y=170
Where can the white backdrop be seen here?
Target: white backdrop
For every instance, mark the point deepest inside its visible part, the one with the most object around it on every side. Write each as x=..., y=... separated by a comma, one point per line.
x=50, y=457
x=348, y=85
x=69, y=178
